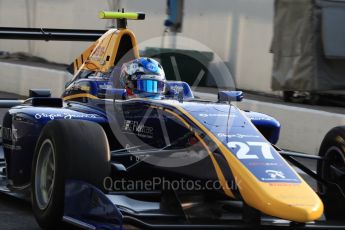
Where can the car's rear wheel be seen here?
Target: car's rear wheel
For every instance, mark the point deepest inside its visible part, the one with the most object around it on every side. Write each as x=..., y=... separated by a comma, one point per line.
x=332, y=170
x=66, y=149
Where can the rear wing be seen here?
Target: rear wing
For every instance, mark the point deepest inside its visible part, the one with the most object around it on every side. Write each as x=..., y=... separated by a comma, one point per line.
x=49, y=34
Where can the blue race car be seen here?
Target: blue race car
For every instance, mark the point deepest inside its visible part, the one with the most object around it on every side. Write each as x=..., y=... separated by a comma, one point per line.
x=99, y=158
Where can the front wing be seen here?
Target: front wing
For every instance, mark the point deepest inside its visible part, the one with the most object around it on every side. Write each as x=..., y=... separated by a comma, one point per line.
x=89, y=208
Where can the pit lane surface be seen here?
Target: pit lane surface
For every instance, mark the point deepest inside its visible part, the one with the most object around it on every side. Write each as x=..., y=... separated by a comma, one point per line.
x=17, y=214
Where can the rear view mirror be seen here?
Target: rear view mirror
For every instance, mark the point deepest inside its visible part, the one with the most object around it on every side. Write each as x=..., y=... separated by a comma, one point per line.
x=39, y=93
x=227, y=96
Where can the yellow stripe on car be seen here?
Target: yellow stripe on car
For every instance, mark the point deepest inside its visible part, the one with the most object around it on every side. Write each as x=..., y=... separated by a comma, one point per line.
x=79, y=95
x=220, y=175
x=295, y=202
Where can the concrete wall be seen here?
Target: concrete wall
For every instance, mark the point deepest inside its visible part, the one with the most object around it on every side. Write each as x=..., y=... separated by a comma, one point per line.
x=238, y=31
x=19, y=79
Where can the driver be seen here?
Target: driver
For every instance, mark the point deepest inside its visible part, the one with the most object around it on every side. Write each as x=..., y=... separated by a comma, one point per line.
x=143, y=77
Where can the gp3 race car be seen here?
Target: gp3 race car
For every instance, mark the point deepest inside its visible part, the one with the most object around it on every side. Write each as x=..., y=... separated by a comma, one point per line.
x=96, y=159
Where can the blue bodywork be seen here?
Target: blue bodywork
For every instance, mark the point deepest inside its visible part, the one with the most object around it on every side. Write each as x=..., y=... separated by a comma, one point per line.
x=267, y=125
x=86, y=203
x=22, y=126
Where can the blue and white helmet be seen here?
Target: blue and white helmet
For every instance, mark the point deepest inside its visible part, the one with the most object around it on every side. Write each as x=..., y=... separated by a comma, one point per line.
x=143, y=76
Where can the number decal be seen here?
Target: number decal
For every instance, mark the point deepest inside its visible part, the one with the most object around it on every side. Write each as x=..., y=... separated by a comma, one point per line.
x=244, y=149
x=265, y=149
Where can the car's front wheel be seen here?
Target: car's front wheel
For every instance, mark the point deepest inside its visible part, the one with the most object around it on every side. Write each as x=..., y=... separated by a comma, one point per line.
x=66, y=149
x=332, y=170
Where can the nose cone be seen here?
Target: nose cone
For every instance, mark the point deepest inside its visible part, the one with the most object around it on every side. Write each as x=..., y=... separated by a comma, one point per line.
x=300, y=204
x=265, y=180
x=297, y=203
x=304, y=214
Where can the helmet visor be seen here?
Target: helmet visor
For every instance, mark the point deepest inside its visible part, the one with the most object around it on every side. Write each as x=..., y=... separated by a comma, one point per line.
x=150, y=86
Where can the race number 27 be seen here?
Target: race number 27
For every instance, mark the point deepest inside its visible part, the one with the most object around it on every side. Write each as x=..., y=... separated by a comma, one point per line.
x=244, y=150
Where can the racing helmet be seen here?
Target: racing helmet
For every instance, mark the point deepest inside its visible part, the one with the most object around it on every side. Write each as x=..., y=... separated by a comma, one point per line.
x=143, y=77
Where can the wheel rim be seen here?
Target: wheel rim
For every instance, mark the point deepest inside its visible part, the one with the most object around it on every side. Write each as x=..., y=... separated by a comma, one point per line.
x=334, y=166
x=45, y=174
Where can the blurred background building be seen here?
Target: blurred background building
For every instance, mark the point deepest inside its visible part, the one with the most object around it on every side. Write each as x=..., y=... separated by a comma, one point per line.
x=238, y=31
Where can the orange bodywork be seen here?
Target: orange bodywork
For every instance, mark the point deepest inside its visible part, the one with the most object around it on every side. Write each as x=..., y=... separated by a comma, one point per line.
x=106, y=52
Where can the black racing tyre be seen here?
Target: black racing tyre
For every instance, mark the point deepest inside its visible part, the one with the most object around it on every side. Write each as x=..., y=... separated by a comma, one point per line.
x=332, y=169
x=66, y=149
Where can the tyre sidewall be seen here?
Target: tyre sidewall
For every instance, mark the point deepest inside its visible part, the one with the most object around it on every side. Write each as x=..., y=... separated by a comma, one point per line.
x=81, y=152
x=48, y=217
x=333, y=201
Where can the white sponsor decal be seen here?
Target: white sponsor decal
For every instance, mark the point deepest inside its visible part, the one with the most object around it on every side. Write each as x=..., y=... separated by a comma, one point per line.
x=216, y=115
x=275, y=174
x=137, y=128
x=52, y=116
x=261, y=118
x=237, y=135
